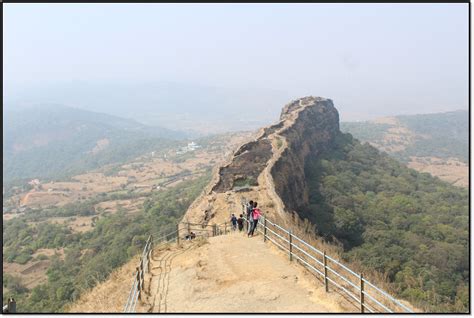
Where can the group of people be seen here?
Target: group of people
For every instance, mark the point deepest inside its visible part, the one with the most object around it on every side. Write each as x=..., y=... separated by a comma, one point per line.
x=237, y=222
x=190, y=236
x=253, y=215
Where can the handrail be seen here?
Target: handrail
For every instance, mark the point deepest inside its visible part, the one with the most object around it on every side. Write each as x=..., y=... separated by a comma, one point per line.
x=329, y=266
x=138, y=281
x=307, y=254
x=311, y=247
x=309, y=265
x=387, y=295
x=158, y=239
x=342, y=265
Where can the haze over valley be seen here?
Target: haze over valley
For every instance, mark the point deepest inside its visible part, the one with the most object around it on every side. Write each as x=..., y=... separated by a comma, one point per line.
x=349, y=128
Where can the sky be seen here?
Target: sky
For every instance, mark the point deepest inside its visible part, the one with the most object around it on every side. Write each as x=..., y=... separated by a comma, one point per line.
x=371, y=59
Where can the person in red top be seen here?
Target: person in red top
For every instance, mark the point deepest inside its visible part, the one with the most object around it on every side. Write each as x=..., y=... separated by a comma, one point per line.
x=255, y=215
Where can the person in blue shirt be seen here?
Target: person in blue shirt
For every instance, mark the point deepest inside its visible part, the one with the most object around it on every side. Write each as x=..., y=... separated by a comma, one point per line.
x=249, y=208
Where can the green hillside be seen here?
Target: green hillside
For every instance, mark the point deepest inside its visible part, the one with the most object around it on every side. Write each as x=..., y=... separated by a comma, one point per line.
x=408, y=225
x=449, y=134
x=57, y=141
x=90, y=256
x=441, y=135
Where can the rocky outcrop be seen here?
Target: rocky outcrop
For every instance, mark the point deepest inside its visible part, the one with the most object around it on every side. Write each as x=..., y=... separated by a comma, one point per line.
x=310, y=134
x=248, y=163
x=270, y=169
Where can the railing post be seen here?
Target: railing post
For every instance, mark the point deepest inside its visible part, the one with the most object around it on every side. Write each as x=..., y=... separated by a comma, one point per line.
x=138, y=281
x=141, y=275
x=225, y=227
x=148, y=260
x=325, y=262
x=265, y=229
x=214, y=227
x=244, y=207
x=362, y=308
x=177, y=232
x=291, y=245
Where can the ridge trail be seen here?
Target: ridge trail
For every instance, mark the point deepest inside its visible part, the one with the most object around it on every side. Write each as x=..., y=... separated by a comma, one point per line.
x=233, y=273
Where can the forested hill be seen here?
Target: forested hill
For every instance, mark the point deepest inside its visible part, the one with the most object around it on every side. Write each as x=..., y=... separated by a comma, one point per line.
x=410, y=226
x=53, y=141
x=440, y=135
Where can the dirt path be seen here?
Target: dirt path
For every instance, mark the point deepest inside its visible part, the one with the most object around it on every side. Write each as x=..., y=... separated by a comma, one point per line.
x=225, y=275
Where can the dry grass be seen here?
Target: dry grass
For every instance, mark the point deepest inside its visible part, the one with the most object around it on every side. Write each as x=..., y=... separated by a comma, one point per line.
x=451, y=170
x=109, y=296
x=77, y=224
x=9, y=216
x=131, y=206
x=31, y=274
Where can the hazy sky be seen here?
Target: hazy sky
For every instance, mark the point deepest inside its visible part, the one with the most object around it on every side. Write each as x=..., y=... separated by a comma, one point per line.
x=371, y=59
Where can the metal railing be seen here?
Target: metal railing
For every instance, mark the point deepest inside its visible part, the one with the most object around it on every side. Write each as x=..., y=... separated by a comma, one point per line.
x=200, y=230
x=139, y=276
x=369, y=297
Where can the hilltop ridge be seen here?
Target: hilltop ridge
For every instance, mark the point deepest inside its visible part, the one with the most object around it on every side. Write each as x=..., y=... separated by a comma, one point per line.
x=269, y=169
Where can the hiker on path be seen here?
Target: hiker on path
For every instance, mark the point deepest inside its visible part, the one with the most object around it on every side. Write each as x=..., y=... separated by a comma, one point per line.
x=249, y=216
x=233, y=220
x=190, y=236
x=256, y=213
x=240, y=222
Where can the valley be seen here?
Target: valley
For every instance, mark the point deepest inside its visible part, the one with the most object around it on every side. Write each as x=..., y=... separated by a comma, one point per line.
x=77, y=206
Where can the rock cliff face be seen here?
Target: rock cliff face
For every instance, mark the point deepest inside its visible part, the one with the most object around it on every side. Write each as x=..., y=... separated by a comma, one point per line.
x=270, y=169
x=311, y=133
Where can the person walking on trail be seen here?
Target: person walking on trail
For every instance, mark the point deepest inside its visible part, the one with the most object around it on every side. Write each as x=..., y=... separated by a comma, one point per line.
x=233, y=220
x=256, y=213
x=249, y=216
x=240, y=222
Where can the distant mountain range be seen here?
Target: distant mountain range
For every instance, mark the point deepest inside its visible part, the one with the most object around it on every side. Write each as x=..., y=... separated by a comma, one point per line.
x=191, y=107
x=52, y=140
x=55, y=140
